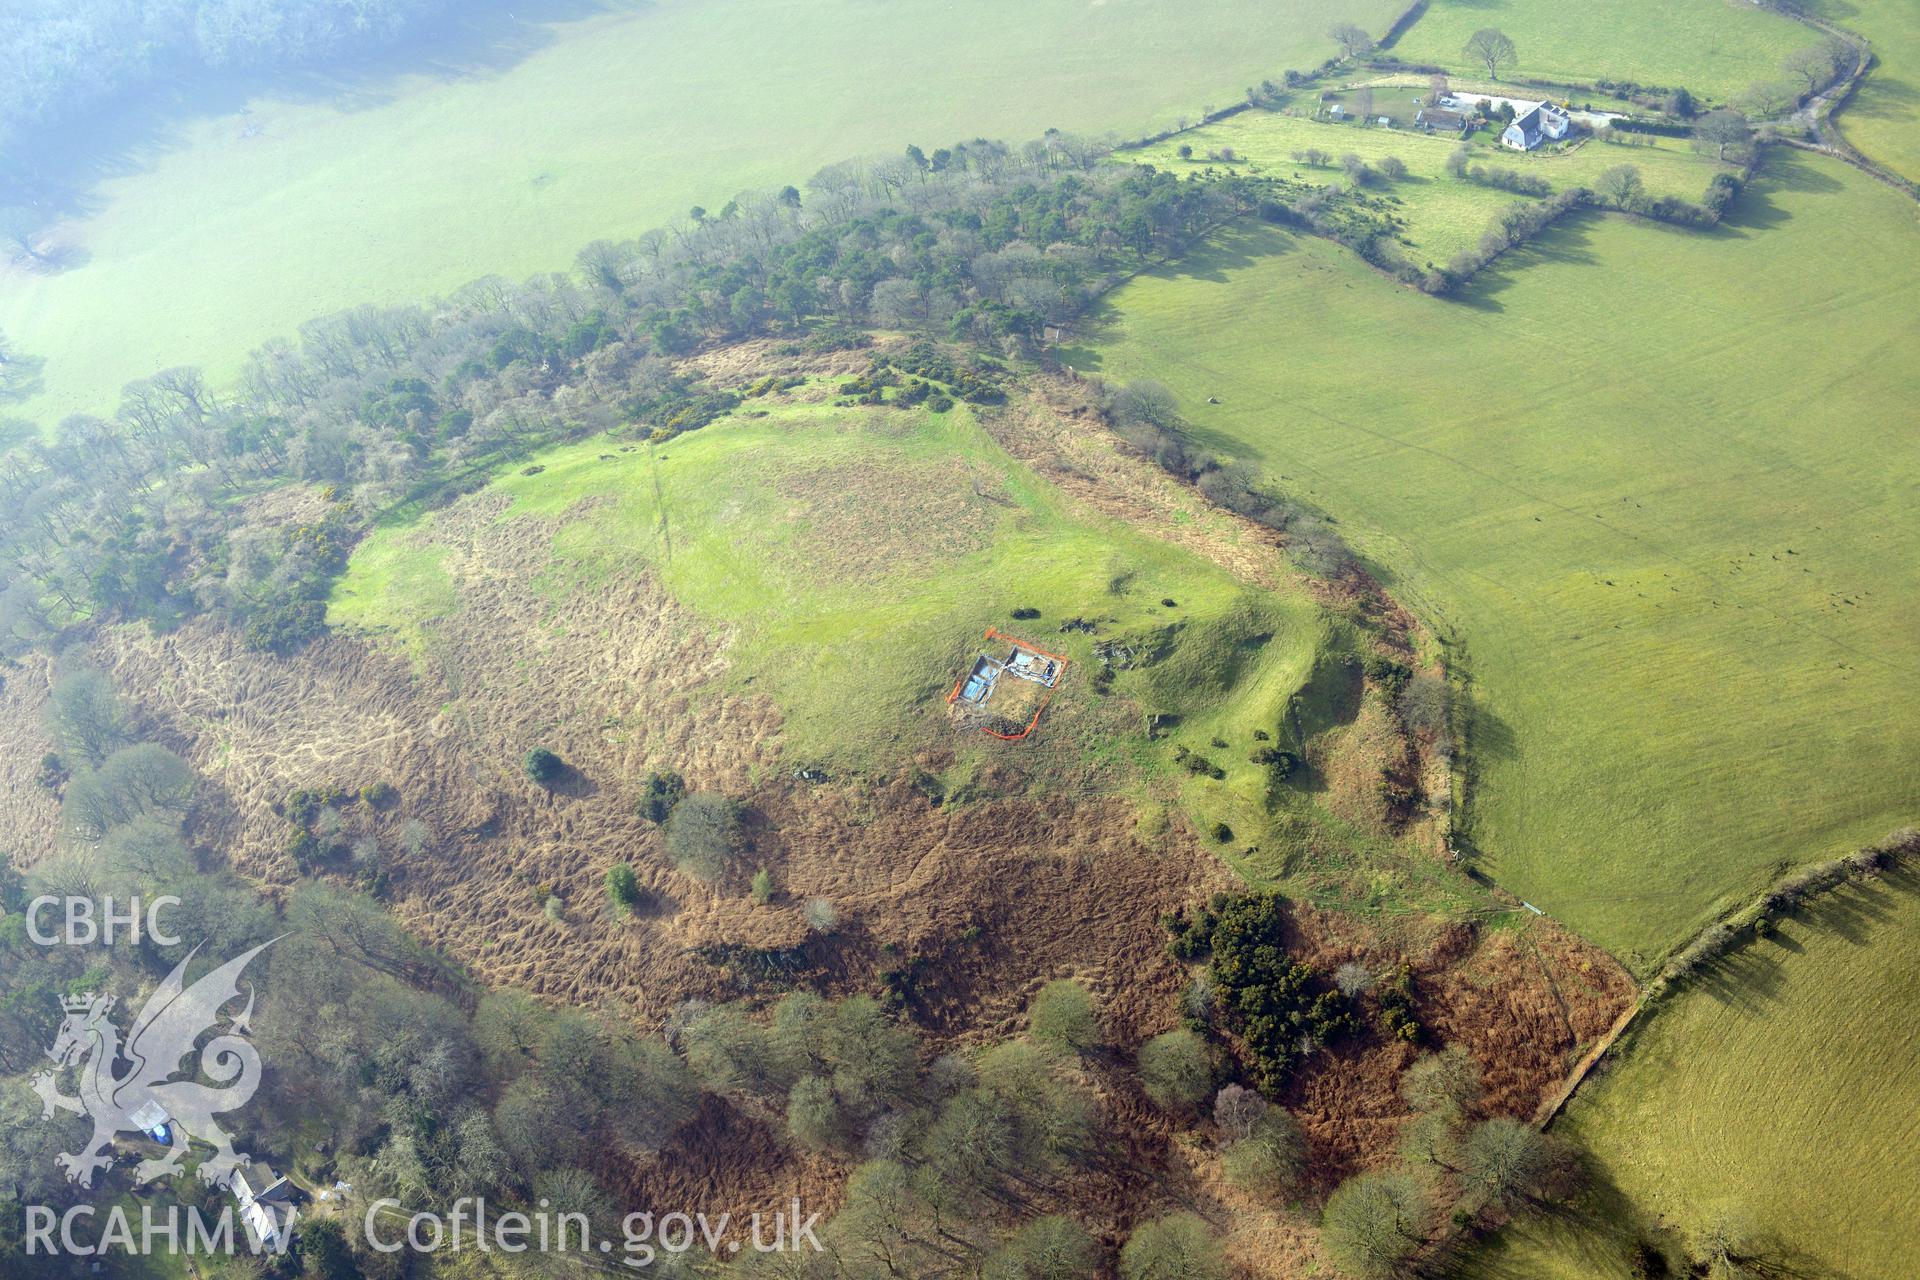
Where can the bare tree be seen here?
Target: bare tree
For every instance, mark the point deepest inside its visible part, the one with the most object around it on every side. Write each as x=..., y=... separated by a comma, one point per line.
x=1769, y=98
x=1492, y=48
x=1731, y=1247
x=1723, y=129
x=1817, y=65
x=1178, y=1245
x=1374, y=1222
x=1236, y=1110
x=1621, y=185
x=1352, y=40
x=1352, y=977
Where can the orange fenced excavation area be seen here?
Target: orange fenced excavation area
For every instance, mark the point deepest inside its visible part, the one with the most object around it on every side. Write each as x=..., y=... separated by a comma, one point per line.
x=1007, y=688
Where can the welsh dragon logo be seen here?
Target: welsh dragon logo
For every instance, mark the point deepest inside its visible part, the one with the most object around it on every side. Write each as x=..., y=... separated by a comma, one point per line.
x=172, y=1021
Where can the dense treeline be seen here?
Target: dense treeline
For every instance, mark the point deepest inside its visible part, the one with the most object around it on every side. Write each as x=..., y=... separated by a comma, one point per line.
x=140, y=516
x=59, y=58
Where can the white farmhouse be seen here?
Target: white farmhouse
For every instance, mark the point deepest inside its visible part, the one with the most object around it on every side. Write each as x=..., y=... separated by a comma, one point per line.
x=1541, y=122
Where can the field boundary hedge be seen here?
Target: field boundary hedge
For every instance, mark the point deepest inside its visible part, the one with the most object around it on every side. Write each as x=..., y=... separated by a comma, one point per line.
x=1737, y=931
x=1398, y=27
x=1633, y=124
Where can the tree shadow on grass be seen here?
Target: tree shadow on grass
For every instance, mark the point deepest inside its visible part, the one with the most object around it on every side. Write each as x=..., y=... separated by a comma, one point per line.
x=1796, y=171
x=1235, y=248
x=19, y=380
x=1832, y=10
x=1600, y=1230
x=1890, y=99
x=50, y=260
x=1566, y=243
x=1858, y=912
x=1489, y=737
x=486, y=39
x=1754, y=210
x=1098, y=328
x=1748, y=978
x=59, y=170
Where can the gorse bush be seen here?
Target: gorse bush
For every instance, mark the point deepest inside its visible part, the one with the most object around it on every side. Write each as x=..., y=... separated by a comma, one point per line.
x=1396, y=994
x=662, y=791
x=543, y=766
x=623, y=887
x=1280, y=1007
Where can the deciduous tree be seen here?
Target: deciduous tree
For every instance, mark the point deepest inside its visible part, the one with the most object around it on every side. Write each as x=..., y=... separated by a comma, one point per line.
x=1054, y=1247
x=1063, y=1016
x=704, y=834
x=1621, y=186
x=1175, y=1069
x=1352, y=40
x=1723, y=130
x=1491, y=48
x=1508, y=1163
x=1374, y=1222
x=1269, y=1160
x=87, y=714
x=1445, y=1081
x=1179, y=1246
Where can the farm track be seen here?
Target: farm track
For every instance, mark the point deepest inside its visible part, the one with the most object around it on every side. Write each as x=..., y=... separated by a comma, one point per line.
x=1820, y=114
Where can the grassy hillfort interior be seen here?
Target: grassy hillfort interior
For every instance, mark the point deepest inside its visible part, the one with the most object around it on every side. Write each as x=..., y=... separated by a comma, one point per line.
x=989, y=639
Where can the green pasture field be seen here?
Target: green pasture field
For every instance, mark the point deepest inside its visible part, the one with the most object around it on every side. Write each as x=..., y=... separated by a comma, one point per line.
x=1715, y=48
x=1778, y=1092
x=236, y=229
x=1655, y=483
x=1444, y=214
x=1883, y=119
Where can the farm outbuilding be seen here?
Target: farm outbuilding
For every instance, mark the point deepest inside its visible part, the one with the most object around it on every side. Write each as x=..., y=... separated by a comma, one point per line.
x=1439, y=120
